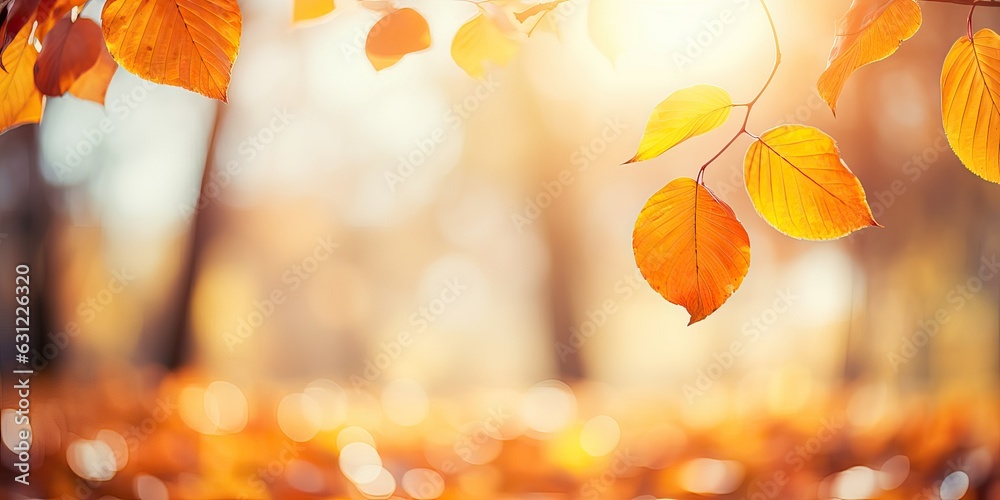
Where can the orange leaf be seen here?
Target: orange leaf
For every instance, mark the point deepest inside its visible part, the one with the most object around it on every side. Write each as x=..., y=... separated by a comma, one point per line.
x=401, y=32
x=480, y=41
x=69, y=51
x=185, y=43
x=50, y=12
x=536, y=9
x=870, y=31
x=799, y=185
x=970, y=96
x=13, y=17
x=93, y=85
x=306, y=10
x=21, y=101
x=690, y=247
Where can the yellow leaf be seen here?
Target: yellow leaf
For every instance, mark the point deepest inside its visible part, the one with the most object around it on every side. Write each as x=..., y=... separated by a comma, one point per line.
x=799, y=184
x=185, y=43
x=870, y=31
x=479, y=41
x=685, y=114
x=401, y=32
x=690, y=247
x=20, y=101
x=306, y=10
x=970, y=96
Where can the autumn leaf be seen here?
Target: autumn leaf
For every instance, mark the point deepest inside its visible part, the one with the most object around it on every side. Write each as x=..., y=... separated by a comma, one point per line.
x=306, y=10
x=970, y=97
x=690, y=247
x=401, y=32
x=799, y=184
x=14, y=15
x=185, y=43
x=686, y=113
x=69, y=51
x=870, y=31
x=93, y=85
x=20, y=101
x=50, y=12
x=478, y=42
x=536, y=9
x=377, y=6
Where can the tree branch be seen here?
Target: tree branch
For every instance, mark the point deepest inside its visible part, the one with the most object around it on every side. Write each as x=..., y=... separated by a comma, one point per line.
x=777, y=58
x=969, y=3
x=750, y=105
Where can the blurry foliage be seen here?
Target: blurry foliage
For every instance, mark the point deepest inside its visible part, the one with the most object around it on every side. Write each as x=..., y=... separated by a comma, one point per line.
x=794, y=174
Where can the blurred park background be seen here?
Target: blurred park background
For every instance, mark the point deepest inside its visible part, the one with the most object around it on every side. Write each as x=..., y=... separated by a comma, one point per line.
x=414, y=284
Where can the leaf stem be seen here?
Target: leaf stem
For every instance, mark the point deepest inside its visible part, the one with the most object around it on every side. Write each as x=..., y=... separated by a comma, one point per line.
x=701, y=171
x=971, y=12
x=753, y=102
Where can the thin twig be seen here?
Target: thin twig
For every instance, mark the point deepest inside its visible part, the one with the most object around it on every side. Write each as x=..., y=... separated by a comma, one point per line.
x=753, y=102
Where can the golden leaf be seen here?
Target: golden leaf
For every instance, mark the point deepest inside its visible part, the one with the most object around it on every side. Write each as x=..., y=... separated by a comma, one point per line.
x=21, y=101
x=307, y=10
x=799, y=184
x=870, y=31
x=480, y=41
x=970, y=97
x=184, y=43
x=686, y=113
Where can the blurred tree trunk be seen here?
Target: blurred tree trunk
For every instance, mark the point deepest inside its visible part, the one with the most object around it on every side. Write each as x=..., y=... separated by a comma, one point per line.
x=855, y=349
x=562, y=249
x=204, y=221
x=25, y=227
